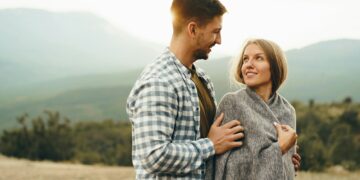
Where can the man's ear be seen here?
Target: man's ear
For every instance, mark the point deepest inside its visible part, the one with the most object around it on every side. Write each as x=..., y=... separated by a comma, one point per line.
x=192, y=29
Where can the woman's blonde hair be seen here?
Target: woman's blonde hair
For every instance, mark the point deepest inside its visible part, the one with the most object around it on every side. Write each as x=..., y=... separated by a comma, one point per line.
x=276, y=57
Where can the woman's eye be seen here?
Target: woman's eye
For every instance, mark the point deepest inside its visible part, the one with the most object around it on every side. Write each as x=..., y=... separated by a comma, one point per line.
x=260, y=58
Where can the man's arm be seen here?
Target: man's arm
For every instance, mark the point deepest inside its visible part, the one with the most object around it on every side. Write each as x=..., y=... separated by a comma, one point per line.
x=155, y=110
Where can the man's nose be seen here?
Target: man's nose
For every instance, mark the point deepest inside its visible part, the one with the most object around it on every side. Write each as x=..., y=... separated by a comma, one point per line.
x=218, y=39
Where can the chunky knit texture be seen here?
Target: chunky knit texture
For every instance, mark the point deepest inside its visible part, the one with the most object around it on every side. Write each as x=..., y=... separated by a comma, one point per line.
x=260, y=156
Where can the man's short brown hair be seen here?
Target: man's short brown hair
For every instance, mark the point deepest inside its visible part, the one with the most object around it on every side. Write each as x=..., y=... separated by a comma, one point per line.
x=199, y=11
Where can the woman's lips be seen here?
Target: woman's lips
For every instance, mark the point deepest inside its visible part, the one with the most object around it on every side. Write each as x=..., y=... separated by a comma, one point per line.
x=250, y=74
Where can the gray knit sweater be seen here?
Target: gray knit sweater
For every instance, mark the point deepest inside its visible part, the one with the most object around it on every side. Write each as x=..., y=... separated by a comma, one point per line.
x=259, y=158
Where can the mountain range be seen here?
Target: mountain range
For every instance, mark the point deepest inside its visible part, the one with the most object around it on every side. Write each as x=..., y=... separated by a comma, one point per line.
x=84, y=67
x=38, y=45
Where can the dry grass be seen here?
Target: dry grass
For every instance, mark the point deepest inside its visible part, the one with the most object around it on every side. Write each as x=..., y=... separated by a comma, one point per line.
x=328, y=176
x=15, y=169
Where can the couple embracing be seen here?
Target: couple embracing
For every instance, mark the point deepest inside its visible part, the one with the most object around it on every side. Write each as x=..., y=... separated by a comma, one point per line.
x=179, y=131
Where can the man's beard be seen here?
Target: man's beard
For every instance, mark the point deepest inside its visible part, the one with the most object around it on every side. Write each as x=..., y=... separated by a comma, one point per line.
x=200, y=54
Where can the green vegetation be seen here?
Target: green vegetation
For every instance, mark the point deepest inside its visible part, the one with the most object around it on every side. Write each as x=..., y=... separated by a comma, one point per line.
x=329, y=134
x=80, y=105
x=56, y=139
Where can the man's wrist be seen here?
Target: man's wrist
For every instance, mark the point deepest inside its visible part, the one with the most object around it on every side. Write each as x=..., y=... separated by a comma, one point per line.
x=207, y=148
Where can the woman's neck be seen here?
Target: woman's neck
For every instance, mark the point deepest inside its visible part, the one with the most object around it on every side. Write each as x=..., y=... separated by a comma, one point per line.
x=264, y=92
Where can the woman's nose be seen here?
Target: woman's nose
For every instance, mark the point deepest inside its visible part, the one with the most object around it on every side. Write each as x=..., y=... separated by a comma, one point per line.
x=249, y=63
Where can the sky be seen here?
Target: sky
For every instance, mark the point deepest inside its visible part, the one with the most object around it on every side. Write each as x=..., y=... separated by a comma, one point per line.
x=290, y=23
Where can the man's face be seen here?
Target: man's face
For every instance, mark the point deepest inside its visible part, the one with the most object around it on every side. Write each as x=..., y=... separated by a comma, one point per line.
x=208, y=36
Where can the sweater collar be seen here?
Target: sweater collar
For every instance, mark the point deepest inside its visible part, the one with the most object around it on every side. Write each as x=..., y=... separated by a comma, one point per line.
x=253, y=94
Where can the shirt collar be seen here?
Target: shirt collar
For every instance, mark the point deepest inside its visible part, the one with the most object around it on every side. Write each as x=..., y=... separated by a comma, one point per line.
x=183, y=69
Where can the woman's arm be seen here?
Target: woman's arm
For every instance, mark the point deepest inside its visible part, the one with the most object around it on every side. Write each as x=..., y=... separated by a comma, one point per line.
x=216, y=164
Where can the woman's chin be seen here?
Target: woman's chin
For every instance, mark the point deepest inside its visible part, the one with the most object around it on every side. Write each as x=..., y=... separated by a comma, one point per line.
x=251, y=84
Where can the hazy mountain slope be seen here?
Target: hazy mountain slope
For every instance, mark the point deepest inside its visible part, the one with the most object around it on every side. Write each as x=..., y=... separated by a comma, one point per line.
x=56, y=61
x=38, y=45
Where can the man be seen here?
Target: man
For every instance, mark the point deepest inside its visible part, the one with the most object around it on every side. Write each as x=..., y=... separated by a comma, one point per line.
x=172, y=104
x=172, y=99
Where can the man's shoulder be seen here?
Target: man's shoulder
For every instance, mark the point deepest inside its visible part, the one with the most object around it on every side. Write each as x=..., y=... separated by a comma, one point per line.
x=150, y=87
x=162, y=69
x=153, y=80
x=161, y=76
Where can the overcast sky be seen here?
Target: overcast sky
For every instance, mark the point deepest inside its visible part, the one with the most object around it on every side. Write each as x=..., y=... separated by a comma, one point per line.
x=290, y=23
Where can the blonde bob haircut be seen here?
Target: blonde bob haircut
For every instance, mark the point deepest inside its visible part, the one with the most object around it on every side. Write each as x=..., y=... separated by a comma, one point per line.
x=275, y=56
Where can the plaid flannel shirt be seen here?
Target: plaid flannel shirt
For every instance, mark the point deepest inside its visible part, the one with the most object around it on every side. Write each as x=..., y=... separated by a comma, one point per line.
x=163, y=107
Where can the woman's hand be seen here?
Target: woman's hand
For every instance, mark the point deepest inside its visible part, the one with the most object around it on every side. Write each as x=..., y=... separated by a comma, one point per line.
x=286, y=137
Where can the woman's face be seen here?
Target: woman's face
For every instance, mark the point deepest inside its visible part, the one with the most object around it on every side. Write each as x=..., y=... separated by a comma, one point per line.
x=256, y=68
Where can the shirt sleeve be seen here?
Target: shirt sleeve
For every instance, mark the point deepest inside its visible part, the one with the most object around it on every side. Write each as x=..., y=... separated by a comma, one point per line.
x=154, y=112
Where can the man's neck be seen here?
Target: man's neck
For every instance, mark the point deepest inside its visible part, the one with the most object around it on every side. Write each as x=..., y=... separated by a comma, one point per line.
x=182, y=51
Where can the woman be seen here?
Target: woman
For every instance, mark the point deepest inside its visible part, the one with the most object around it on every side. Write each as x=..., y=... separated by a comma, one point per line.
x=267, y=150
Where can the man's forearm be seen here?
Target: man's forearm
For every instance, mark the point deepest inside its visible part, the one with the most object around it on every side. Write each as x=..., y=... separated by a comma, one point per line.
x=177, y=158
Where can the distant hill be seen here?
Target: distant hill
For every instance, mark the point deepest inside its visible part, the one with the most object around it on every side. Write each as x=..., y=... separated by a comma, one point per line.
x=80, y=65
x=38, y=45
x=326, y=71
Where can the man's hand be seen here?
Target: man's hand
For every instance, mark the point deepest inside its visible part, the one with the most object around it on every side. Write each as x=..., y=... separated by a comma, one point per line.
x=286, y=137
x=225, y=137
x=296, y=159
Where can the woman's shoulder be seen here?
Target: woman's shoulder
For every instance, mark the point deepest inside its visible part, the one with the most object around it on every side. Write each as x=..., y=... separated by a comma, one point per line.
x=286, y=103
x=233, y=96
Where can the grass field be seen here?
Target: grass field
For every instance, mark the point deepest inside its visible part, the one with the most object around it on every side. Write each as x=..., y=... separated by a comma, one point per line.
x=15, y=169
